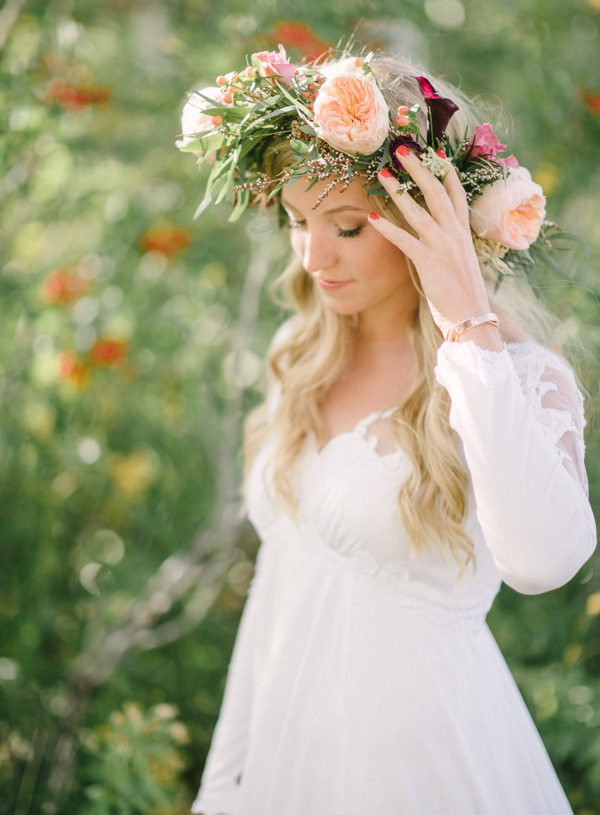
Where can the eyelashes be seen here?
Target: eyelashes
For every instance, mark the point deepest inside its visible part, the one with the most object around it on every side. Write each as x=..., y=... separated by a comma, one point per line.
x=350, y=233
x=342, y=233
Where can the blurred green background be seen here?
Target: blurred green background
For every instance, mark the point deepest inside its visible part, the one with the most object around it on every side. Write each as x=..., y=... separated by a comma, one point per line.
x=131, y=339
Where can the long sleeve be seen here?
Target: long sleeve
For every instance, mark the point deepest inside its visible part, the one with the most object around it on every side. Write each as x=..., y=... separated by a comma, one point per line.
x=519, y=416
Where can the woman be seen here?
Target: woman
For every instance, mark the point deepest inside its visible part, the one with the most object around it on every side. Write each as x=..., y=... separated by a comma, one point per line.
x=416, y=447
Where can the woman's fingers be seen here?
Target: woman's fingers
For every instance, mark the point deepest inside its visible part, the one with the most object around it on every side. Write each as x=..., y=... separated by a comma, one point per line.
x=456, y=193
x=407, y=243
x=447, y=204
x=415, y=215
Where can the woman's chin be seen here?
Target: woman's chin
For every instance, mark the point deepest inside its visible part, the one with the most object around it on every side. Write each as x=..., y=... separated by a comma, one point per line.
x=345, y=309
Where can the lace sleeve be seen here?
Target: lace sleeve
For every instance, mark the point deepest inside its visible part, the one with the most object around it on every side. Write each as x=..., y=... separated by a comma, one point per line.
x=548, y=381
x=520, y=418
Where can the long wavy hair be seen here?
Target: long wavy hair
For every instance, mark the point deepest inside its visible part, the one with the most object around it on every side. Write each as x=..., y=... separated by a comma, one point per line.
x=433, y=500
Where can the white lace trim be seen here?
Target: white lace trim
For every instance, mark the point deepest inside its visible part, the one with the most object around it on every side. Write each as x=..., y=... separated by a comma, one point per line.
x=492, y=367
x=536, y=369
x=536, y=366
x=369, y=439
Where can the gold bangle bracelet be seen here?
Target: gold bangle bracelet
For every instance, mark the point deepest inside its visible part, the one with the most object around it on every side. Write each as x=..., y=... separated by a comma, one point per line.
x=454, y=333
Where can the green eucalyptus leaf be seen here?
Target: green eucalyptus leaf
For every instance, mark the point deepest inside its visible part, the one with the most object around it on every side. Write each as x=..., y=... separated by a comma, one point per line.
x=240, y=205
x=204, y=144
x=270, y=115
x=300, y=147
x=297, y=104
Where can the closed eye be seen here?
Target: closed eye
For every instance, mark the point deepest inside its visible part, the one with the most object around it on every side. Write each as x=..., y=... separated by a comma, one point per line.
x=343, y=233
x=350, y=233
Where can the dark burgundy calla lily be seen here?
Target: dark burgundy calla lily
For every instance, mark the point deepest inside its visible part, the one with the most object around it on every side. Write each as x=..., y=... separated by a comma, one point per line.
x=407, y=140
x=441, y=110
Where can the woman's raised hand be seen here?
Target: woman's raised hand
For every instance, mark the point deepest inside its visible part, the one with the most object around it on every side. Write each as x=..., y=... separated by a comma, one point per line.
x=443, y=253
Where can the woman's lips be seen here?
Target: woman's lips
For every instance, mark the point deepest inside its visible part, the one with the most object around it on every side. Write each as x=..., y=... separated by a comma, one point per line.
x=331, y=285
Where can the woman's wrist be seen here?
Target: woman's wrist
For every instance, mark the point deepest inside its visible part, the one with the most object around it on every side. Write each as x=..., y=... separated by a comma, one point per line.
x=486, y=336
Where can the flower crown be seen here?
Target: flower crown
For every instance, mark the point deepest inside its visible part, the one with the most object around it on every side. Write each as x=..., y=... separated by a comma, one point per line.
x=339, y=125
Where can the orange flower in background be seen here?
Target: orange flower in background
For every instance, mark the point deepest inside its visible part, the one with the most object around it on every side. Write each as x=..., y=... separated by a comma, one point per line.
x=64, y=286
x=302, y=38
x=592, y=101
x=72, y=370
x=107, y=352
x=76, y=97
x=168, y=240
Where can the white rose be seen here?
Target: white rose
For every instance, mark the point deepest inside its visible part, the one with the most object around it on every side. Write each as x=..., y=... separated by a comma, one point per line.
x=194, y=121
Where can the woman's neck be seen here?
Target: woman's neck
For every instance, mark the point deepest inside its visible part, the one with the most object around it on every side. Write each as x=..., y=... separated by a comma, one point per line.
x=388, y=322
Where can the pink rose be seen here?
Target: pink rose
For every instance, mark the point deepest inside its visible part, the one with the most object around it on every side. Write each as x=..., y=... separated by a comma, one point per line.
x=510, y=212
x=510, y=161
x=486, y=142
x=272, y=63
x=193, y=119
x=351, y=113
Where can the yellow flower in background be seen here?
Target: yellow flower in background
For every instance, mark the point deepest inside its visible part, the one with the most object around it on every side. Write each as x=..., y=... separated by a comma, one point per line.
x=547, y=177
x=592, y=605
x=134, y=473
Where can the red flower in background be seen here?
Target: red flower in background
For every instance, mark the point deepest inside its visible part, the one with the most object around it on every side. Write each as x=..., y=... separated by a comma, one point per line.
x=169, y=240
x=64, y=286
x=76, y=97
x=72, y=370
x=106, y=352
x=592, y=101
x=301, y=38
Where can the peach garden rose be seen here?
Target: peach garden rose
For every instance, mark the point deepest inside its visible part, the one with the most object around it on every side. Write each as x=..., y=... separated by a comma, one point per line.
x=510, y=212
x=351, y=113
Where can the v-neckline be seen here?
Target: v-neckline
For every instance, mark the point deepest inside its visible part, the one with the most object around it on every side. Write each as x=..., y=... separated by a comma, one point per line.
x=359, y=428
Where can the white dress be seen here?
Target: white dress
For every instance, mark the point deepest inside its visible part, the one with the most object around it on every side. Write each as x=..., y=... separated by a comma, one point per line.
x=365, y=681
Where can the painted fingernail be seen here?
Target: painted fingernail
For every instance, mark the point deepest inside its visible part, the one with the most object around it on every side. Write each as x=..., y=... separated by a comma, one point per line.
x=373, y=216
x=403, y=150
x=441, y=153
x=385, y=173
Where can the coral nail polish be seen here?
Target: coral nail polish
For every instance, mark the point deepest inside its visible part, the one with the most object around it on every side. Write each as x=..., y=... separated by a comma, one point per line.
x=373, y=216
x=441, y=153
x=403, y=150
x=385, y=173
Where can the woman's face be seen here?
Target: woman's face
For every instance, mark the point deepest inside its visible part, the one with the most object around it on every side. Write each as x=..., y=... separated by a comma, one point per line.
x=355, y=268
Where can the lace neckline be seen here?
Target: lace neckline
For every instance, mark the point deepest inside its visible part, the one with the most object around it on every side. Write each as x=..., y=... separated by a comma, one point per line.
x=359, y=429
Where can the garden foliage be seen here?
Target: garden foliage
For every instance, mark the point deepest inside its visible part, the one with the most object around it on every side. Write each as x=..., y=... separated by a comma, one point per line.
x=129, y=352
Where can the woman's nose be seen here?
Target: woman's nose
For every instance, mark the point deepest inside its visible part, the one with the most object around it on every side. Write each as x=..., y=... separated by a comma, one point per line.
x=317, y=252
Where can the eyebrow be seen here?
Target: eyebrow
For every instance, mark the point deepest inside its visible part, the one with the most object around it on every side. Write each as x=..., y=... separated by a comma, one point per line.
x=331, y=211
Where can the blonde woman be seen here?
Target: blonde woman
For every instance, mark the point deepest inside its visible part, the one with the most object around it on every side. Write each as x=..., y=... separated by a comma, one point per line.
x=417, y=446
